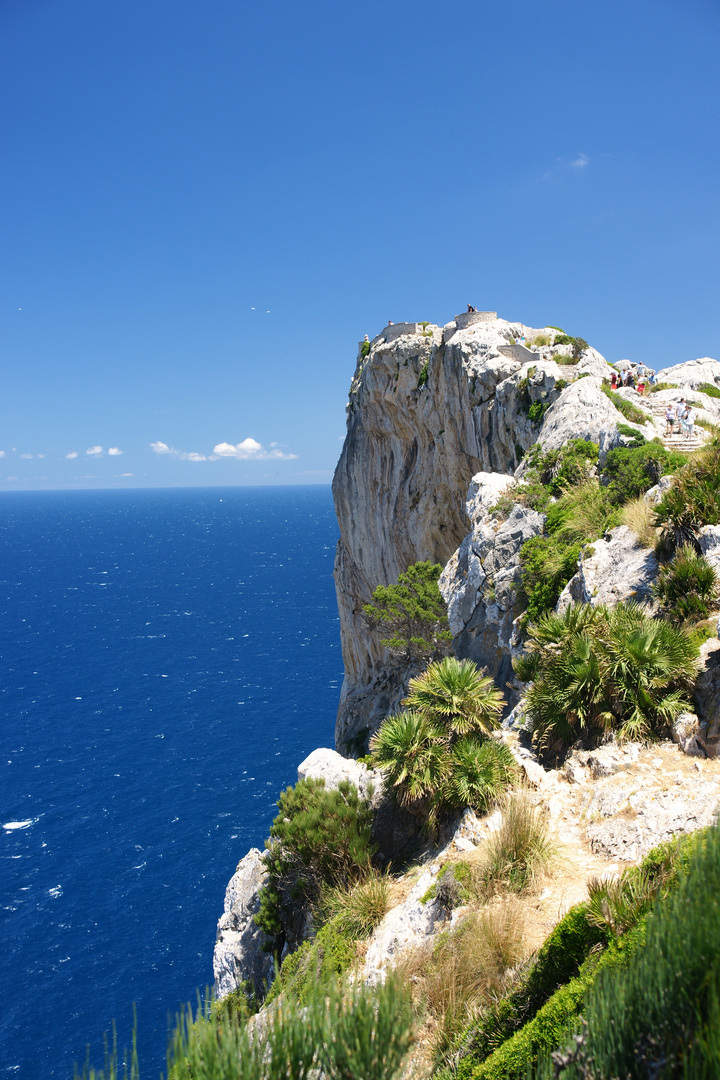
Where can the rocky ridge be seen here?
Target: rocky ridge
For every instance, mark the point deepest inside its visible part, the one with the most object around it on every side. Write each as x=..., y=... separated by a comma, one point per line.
x=435, y=414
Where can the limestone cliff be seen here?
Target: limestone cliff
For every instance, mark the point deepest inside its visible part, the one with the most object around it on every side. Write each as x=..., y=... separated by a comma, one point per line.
x=428, y=408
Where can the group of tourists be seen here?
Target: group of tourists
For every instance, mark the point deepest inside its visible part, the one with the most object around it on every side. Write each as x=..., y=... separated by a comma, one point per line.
x=679, y=419
x=637, y=378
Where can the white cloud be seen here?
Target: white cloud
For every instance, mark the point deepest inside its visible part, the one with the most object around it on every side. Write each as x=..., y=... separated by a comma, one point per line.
x=113, y=451
x=27, y=457
x=580, y=162
x=251, y=450
x=2, y=453
x=41, y=455
x=73, y=454
x=247, y=450
x=94, y=451
x=126, y=474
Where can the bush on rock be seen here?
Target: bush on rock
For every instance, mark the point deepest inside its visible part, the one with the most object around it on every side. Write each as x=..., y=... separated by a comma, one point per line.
x=437, y=754
x=602, y=669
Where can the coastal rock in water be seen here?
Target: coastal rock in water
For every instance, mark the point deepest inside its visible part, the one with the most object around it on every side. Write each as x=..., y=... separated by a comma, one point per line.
x=239, y=957
x=611, y=570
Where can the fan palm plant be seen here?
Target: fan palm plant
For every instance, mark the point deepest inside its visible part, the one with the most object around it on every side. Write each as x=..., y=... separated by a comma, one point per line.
x=598, y=668
x=411, y=748
x=456, y=692
x=480, y=772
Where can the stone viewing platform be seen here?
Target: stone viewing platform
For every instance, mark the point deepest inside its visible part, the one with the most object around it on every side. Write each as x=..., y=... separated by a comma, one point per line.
x=469, y=318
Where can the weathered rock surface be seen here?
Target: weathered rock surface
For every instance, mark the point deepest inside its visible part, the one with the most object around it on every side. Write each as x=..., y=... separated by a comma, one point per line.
x=693, y=372
x=707, y=695
x=238, y=956
x=642, y=820
x=427, y=411
x=481, y=579
x=410, y=924
x=332, y=768
x=709, y=540
x=612, y=569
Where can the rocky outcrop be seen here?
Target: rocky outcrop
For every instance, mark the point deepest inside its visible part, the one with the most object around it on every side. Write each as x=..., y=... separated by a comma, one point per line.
x=239, y=957
x=428, y=410
x=480, y=582
x=612, y=569
x=692, y=373
x=707, y=695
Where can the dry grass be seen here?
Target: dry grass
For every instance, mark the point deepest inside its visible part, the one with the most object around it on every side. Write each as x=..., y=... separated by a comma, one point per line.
x=638, y=515
x=517, y=856
x=467, y=967
x=363, y=906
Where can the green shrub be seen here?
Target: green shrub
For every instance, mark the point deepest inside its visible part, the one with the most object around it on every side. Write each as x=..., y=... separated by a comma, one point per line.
x=579, y=345
x=564, y=360
x=359, y=909
x=687, y=587
x=557, y=962
x=314, y=964
x=537, y=411
x=668, y=994
x=694, y=498
x=515, y=1058
x=319, y=839
x=437, y=753
x=562, y=468
x=601, y=669
x=561, y=384
x=423, y=376
x=356, y=1033
x=629, y=472
x=629, y=411
x=548, y=562
x=413, y=613
x=710, y=389
x=364, y=349
x=663, y=386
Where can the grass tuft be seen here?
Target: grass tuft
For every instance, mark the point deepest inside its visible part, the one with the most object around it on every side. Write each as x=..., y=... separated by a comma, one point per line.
x=639, y=516
x=519, y=853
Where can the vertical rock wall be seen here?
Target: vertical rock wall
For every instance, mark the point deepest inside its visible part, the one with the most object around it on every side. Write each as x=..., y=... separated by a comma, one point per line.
x=427, y=410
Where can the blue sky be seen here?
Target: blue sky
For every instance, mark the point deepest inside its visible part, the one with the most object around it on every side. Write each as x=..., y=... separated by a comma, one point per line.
x=204, y=206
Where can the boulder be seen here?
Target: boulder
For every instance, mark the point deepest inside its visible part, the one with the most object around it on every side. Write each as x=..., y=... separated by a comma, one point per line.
x=707, y=695
x=612, y=569
x=328, y=765
x=692, y=373
x=608, y=760
x=582, y=412
x=687, y=733
x=709, y=541
x=239, y=958
x=648, y=818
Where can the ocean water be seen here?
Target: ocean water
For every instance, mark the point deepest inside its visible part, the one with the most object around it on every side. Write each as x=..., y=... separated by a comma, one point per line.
x=167, y=658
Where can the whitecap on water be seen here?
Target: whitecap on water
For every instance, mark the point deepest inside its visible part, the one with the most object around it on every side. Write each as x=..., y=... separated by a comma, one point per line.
x=10, y=825
x=55, y=891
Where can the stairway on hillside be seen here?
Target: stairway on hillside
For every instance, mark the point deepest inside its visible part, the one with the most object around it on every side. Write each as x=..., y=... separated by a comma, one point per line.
x=676, y=441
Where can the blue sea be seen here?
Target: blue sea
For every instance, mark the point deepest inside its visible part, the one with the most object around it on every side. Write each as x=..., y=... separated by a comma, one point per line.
x=167, y=660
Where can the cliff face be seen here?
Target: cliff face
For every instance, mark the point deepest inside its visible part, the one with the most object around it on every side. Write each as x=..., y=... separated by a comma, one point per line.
x=428, y=408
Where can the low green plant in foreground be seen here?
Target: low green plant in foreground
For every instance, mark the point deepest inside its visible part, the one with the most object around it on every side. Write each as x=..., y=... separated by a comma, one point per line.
x=436, y=754
x=710, y=389
x=599, y=669
x=693, y=500
x=659, y=1015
